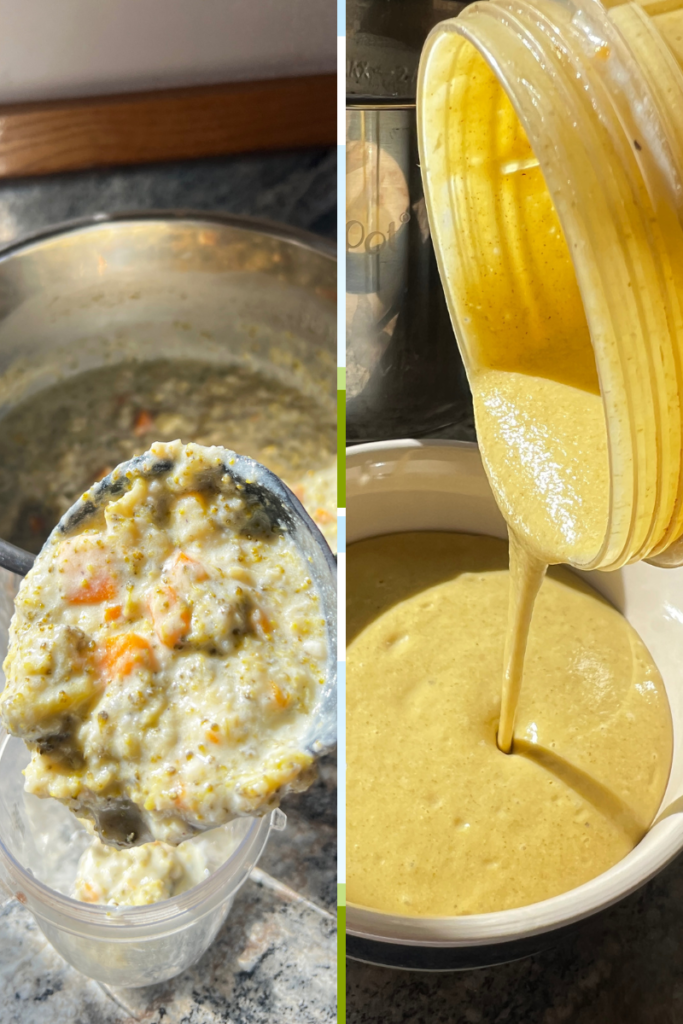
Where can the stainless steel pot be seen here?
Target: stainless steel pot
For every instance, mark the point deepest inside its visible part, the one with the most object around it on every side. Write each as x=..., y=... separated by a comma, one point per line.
x=383, y=43
x=404, y=375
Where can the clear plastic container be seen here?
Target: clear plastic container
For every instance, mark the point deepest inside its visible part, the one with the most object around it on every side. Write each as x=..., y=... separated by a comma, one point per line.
x=40, y=845
x=551, y=144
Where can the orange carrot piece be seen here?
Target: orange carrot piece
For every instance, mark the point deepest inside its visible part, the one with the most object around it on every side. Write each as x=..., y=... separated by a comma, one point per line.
x=112, y=612
x=36, y=523
x=120, y=655
x=86, y=575
x=93, y=590
x=182, y=566
x=170, y=615
x=281, y=699
x=144, y=421
x=261, y=623
x=89, y=894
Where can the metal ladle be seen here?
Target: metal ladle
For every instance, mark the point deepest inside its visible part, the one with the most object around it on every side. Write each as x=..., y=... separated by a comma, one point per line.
x=15, y=559
x=120, y=823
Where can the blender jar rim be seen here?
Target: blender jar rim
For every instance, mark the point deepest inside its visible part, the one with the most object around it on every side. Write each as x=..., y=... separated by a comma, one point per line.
x=166, y=911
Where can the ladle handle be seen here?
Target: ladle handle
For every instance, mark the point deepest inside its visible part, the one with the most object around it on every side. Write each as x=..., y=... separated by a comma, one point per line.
x=15, y=559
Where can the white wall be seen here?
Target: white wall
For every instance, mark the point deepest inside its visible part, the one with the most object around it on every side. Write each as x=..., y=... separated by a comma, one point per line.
x=52, y=49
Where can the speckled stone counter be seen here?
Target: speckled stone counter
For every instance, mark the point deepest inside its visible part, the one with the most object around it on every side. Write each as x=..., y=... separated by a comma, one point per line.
x=274, y=961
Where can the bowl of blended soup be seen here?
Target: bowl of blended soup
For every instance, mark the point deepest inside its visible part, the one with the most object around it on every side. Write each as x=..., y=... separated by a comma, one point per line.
x=116, y=334
x=459, y=855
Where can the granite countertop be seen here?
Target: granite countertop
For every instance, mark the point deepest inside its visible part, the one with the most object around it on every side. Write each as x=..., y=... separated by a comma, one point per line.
x=274, y=961
x=298, y=188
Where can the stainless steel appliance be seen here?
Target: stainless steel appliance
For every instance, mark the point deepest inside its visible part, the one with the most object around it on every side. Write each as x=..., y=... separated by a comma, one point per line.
x=404, y=376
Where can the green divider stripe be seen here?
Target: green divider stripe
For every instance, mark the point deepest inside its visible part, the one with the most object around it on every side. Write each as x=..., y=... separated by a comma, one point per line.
x=341, y=447
x=341, y=964
x=341, y=503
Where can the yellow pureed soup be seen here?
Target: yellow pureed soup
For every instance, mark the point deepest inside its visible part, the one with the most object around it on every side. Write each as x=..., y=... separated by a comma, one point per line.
x=440, y=821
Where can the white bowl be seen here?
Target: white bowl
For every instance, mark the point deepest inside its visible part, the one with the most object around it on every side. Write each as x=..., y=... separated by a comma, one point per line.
x=394, y=486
